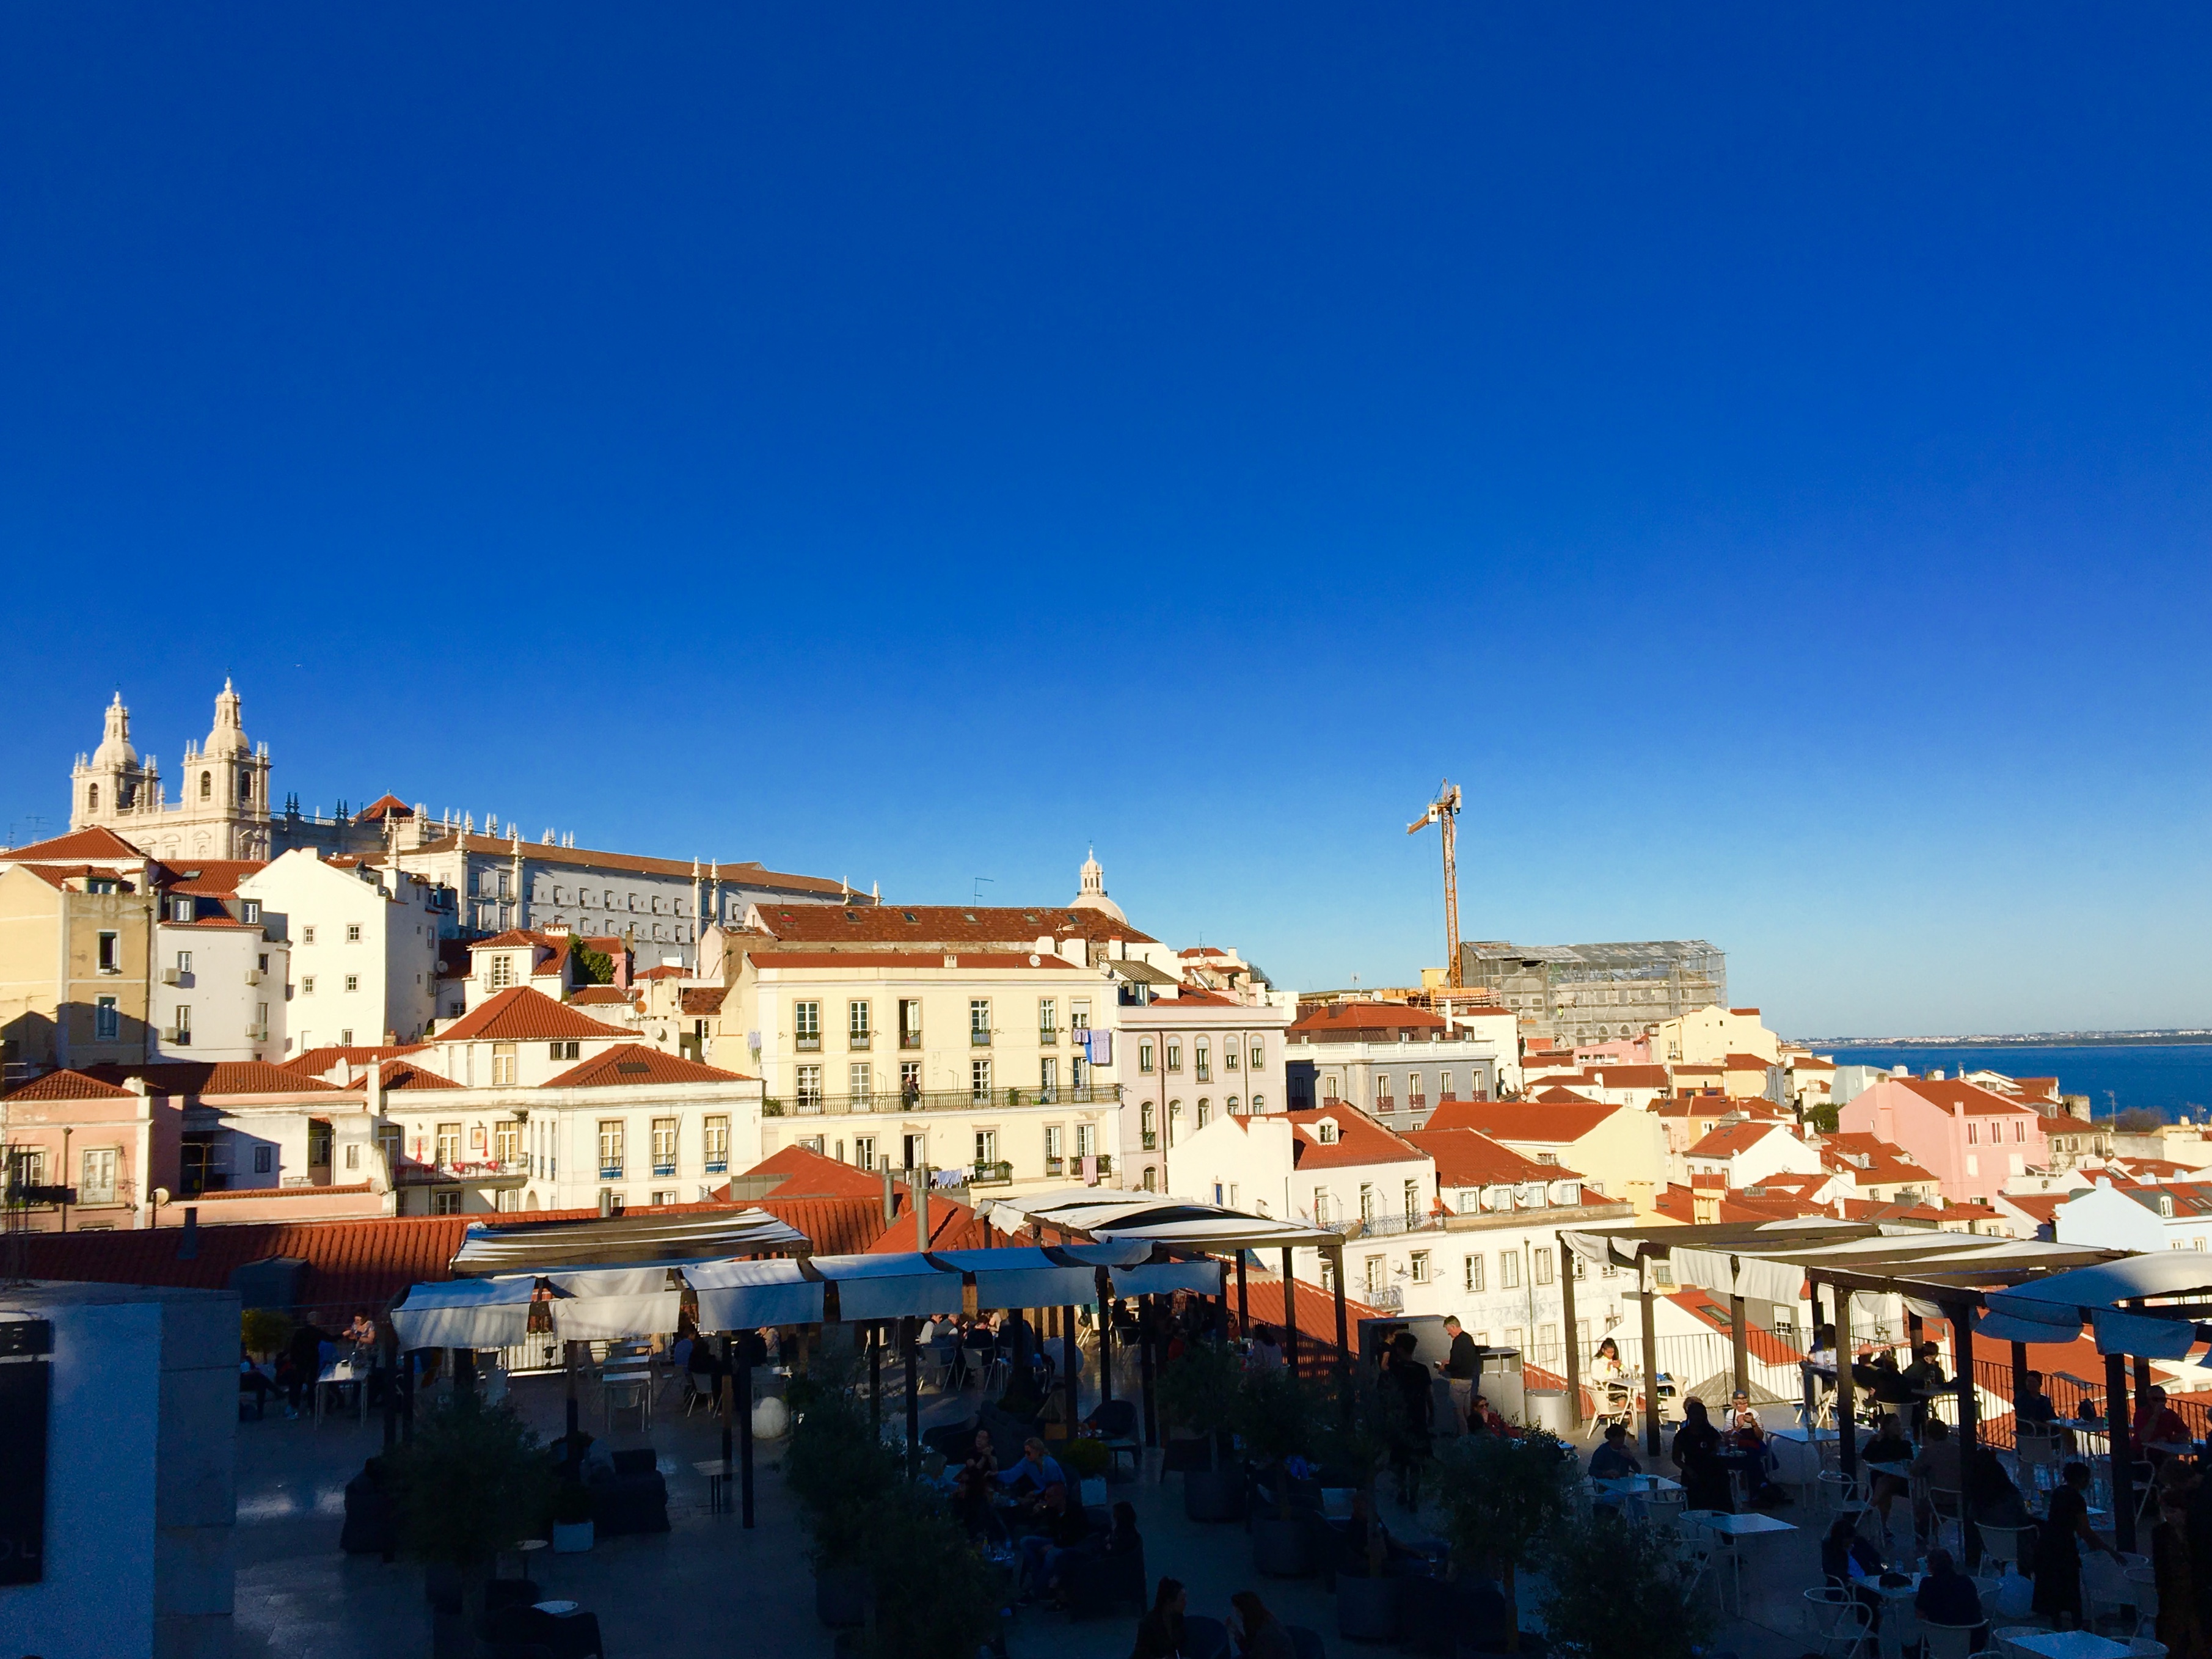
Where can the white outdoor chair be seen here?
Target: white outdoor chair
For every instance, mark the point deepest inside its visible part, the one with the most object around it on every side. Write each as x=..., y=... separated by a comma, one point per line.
x=2107, y=1597
x=2039, y=1456
x=2003, y=1545
x=1662, y=1509
x=2142, y=1585
x=1837, y=1620
x=1948, y=1641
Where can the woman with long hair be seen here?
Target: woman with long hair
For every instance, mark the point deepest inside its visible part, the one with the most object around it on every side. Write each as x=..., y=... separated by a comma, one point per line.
x=1159, y=1632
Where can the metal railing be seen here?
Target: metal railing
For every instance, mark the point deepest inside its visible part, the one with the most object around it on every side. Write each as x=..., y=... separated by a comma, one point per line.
x=480, y=1172
x=893, y=1102
x=990, y=1175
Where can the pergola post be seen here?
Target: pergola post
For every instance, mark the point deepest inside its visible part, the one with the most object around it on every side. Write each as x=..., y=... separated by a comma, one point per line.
x=1105, y=1338
x=390, y=1346
x=913, y=1397
x=1072, y=1365
x=1810, y=1408
x=1291, y=1314
x=2122, y=1443
x=1145, y=1305
x=1243, y=1304
x=1970, y=1424
x=1740, y=1343
x=2019, y=1388
x=1343, y=1340
x=1651, y=1357
x=1568, y=1262
x=1847, y=1433
x=743, y=1348
x=876, y=1378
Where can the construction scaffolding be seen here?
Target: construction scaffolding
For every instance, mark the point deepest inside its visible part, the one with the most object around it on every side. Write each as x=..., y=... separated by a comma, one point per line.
x=1580, y=993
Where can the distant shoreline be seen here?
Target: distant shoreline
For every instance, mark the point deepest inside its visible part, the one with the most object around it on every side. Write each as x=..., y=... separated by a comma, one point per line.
x=2038, y=1040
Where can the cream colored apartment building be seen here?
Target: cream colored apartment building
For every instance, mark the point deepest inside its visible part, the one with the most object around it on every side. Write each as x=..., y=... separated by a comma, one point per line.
x=76, y=966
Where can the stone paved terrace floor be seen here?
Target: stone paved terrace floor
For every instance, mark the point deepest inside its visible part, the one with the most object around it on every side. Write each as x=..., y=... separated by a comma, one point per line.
x=739, y=1591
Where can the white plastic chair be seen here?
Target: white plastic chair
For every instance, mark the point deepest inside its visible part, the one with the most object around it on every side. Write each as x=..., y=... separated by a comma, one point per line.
x=1836, y=1620
x=1948, y=1641
x=2003, y=1545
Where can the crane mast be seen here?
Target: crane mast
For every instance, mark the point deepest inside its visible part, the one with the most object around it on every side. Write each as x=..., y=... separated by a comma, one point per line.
x=1443, y=812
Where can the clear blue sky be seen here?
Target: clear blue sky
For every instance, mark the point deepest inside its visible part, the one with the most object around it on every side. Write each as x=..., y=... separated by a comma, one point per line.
x=1761, y=455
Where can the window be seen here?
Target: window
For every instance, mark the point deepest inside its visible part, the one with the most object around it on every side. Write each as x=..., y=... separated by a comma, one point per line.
x=353, y=933
x=111, y=953
x=1513, y=1337
x=1413, y=1095
x=1377, y=1274
x=1543, y=1260
x=184, y=1027
x=447, y=1201
x=1509, y=1270
x=184, y=961
x=207, y=786
x=1973, y=1131
x=1321, y=1207
x=1367, y=1200
x=1145, y=1056
x=987, y=1147
x=1174, y=1123
x=1087, y=1139
x=250, y=912
x=1200, y=1061
x=1328, y=1090
x=1259, y=1102
x=96, y=1184
x=856, y=1024
x=664, y=1146
x=1079, y=1013
x=1474, y=1273
x=345, y=1038
x=1048, y=1020
x=1385, y=1093
x=910, y=1022
x=1325, y=1131
x=1048, y=1076
x=916, y=1150
x=106, y=1019
x=505, y=1141
x=307, y=936
x=979, y=1020
x=806, y=1025
x=808, y=1079
x=1053, y=1139
x=1151, y=1179
x=1148, y=1125
x=183, y=909
x=502, y=1065
x=610, y=1149
x=502, y=972
x=352, y=981
x=1259, y=1057
x=1418, y=1262
x=1205, y=1111
x=717, y=1137
x=910, y=1079
x=1233, y=1106
x=568, y=1050
x=979, y=1079
x=861, y=1083
x=1228, y=1055
x=1413, y=1200
x=1174, y=1056
x=864, y=1151
x=448, y=1146
x=1444, y=1085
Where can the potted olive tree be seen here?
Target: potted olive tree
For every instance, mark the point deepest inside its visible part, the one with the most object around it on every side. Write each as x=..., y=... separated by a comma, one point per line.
x=931, y=1594
x=1616, y=1587
x=472, y=1482
x=840, y=1472
x=1279, y=1416
x=1198, y=1393
x=1501, y=1497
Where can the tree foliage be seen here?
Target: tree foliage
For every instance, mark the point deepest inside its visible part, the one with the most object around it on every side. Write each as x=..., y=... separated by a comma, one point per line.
x=472, y=1482
x=838, y=1470
x=933, y=1595
x=1200, y=1388
x=1501, y=1497
x=265, y=1331
x=591, y=967
x=1615, y=1587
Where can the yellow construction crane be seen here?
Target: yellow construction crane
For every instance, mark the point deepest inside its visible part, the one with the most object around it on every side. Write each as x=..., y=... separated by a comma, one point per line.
x=1443, y=812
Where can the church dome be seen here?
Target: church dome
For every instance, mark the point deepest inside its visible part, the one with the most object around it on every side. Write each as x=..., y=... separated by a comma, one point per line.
x=115, y=748
x=228, y=736
x=1092, y=893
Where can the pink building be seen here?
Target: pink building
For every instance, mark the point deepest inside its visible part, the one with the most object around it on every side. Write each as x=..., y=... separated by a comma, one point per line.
x=1971, y=1140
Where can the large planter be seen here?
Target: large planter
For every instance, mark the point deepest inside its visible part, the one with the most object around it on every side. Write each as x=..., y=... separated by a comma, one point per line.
x=572, y=1537
x=1213, y=1494
x=841, y=1596
x=1280, y=1548
x=1368, y=1609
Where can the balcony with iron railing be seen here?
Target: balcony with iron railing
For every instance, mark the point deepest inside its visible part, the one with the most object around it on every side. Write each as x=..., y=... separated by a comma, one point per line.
x=894, y=1103
x=492, y=1174
x=999, y=1174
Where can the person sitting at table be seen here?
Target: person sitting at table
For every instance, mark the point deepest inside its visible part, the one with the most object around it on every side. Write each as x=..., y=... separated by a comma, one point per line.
x=971, y=1488
x=1938, y=1469
x=1948, y=1597
x=1924, y=1378
x=1264, y=1354
x=1044, y=1507
x=1697, y=1453
x=1888, y=1445
x=2033, y=1406
x=1991, y=1497
x=1613, y=1461
x=2158, y=1426
x=1851, y=1562
x=1369, y=1548
x=1482, y=1417
x=1122, y=1539
x=1605, y=1365
x=1159, y=1632
x=252, y=1380
x=2065, y=1529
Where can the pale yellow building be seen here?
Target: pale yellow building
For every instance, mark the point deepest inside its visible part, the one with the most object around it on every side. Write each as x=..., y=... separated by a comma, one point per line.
x=1709, y=1035
x=76, y=966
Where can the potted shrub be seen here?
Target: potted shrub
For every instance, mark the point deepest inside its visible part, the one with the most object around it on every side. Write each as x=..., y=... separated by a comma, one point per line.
x=1278, y=1418
x=1501, y=1497
x=1199, y=1393
x=472, y=1482
x=1087, y=1460
x=931, y=1594
x=841, y=1474
x=571, y=1518
x=265, y=1332
x=1615, y=1587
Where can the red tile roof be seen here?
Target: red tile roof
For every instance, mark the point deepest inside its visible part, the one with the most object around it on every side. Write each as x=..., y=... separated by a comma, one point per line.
x=1464, y=1158
x=1316, y=1315
x=97, y=844
x=520, y=1014
x=1562, y=1097
x=953, y=1226
x=749, y=872
x=1957, y=1097
x=384, y=804
x=1765, y=1347
x=1727, y=1139
x=66, y=1085
x=1884, y=1161
x=930, y=959
x=951, y=924
x=313, y=1062
x=1745, y=1063
x=665, y=971
x=809, y=1174
x=1606, y=1076
x=628, y=1063
x=1360, y=1140
x=210, y=878
x=58, y=876
x=221, y=1077
x=833, y=1226
x=1521, y=1120
x=702, y=998
x=600, y=996
x=1360, y=1016
x=402, y=1075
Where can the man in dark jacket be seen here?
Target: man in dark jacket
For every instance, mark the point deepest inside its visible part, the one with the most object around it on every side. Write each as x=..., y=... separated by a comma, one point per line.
x=1406, y=1383
x=1461, y=1366
x=1946, y=1595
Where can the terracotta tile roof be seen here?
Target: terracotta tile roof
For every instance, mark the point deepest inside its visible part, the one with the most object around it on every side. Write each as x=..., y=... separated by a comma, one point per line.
x=313, y=1062
x=1464, y=1158
x=1200, y=994
x=1745, y=1063
x=952, y=925
x=749, y=874
x=97, y=844
x=520, y=1014
x=404, y=1074
x=599, y=996
x=1360, y=1140
x=211, y=878
x=514, y=936
x=665, y=971
x=1884, y=1161
x=953, y=1226
x=1606, y=1076
x=932, y=960
x=630, y=1063
x=1811, y=1063
x=833, y=1226
x=68, y=1085
x=1957, y=1097
x=1362, y=1016
x=1316, y=1315
x=1765, y=1347
x=1562, y=1097
x=221, y=1077
x=702, y=998
x=809, y=1174
x=1676, y=1204
x=1201, y=951
x=384, y=804
x=1521, y=1120
x=59, y=875
x=1727, y=1139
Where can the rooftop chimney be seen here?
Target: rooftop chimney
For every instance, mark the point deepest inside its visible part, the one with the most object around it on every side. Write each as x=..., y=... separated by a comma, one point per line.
x=606, y=1203
x=188, y=1242
x=919, y=1177
x=890, y=1198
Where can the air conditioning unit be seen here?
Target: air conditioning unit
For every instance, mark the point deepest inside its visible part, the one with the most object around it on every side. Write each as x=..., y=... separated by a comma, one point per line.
x=176, y=1038
x=253, y=977
x=173, y=976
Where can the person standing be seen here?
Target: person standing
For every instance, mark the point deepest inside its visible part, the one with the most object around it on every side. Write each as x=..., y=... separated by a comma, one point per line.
x=1413, y=1412
x=1461, y=1367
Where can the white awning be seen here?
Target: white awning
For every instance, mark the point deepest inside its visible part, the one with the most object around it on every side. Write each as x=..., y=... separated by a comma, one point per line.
x=464, y=1313
x=662, y=1240
x=1182, y=1223
x=1025, y=1277
x=744, y=1296
x=2108, y=1284
x=603, y=1304
x=889, y=1286
x=1159, y=1278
